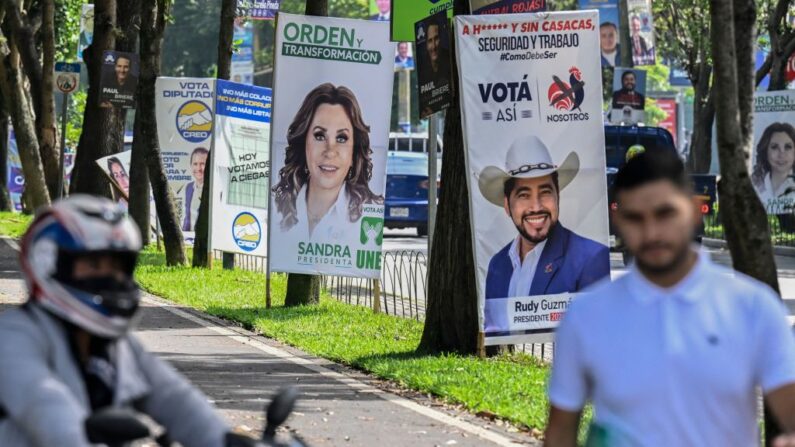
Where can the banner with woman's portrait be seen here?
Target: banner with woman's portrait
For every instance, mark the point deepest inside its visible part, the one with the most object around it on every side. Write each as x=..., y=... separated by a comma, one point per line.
x=531, y=96
x=330, y=129
x=774, y=151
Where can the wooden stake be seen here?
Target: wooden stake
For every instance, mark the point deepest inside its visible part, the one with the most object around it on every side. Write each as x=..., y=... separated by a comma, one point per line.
x=482, y=345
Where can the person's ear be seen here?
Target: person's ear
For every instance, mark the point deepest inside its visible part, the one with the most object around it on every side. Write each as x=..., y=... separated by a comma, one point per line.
x=507, y=205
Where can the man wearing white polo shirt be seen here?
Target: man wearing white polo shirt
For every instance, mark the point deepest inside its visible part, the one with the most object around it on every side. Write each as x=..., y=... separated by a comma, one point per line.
x=674, y=352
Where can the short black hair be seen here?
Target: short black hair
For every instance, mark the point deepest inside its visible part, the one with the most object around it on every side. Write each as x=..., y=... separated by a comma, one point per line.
x=610, y=24
x=198, y=150
x=628, y=72
x=507, y=188
x=651, y=166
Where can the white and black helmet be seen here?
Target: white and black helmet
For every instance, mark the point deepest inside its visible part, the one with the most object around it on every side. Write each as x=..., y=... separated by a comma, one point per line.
x=78, y=226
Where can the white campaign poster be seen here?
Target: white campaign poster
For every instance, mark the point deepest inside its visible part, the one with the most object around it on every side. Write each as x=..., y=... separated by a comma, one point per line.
x=240, y=154
x=332, y=104
x=532, y=110
x=774, y=150
x=184, y=110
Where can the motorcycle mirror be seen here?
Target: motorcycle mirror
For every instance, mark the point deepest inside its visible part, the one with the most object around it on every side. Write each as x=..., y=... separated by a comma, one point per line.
x=115, y=425
x=279, y=409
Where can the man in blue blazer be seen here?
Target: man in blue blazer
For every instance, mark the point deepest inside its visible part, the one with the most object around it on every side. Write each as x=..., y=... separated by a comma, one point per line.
x=545, y=258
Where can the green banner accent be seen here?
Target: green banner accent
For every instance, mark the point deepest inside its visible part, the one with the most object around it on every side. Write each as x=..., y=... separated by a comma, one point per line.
x=331, y=53
x=406, y=13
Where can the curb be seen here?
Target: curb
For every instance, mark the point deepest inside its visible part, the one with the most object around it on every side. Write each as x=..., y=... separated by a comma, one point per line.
x=720, y=243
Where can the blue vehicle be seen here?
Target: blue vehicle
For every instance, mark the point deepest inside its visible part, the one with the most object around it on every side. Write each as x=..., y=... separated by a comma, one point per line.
x=407, y=190
x=618, y=139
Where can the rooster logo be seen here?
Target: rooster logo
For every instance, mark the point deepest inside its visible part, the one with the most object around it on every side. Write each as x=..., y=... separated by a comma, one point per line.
x=565, y=96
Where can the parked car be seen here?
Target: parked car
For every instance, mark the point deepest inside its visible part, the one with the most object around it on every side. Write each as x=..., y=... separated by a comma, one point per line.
x=618, y=140
x=407, y=190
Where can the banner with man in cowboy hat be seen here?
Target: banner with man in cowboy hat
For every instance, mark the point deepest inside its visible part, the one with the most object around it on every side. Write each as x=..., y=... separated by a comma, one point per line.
x=532, y=111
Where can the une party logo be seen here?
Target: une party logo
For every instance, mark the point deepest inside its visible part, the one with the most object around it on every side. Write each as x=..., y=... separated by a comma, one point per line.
x=246, y=231
x=194, y=121
x=372, y=230
x=567, y=96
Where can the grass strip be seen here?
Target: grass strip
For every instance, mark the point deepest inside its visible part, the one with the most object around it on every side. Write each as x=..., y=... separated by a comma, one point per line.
x=509, y=386
x=14, y=224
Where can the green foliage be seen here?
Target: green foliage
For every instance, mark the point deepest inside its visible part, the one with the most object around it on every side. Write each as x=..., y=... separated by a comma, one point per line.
x=74, y=123
x=14, y=224
x=511, y=386
x=67, y=28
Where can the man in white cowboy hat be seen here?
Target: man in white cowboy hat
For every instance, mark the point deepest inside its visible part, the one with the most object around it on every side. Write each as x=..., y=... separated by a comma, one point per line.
x=545, y=258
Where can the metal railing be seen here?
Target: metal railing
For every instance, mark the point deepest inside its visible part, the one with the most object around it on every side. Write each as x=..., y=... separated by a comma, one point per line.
x=404, y=276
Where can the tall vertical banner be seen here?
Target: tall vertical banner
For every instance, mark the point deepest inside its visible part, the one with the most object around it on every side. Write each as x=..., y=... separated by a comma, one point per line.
x=774, y=151
x=16, y=178
x=405, y=13
x=641, y=32
x=242, y=69
x=184, y=111
x=332, y=104
x=506, y=6
x=86, y=30
x=241, y=165
x=531, y=97
x=609, y=42
x=670, y=122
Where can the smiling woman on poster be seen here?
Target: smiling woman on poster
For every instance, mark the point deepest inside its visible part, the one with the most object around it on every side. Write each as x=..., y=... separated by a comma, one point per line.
x=325, y=179
x=773, y=171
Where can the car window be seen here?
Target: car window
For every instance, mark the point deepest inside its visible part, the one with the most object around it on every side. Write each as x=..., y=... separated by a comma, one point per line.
x=397, y=165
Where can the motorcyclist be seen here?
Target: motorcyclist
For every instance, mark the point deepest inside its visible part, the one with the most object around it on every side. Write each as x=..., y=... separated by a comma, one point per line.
x=68, y=351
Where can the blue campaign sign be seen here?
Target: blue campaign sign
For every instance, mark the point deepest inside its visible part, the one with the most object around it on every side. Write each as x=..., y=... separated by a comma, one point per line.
x=244, y=101
x=66, y=67
x=678, y=76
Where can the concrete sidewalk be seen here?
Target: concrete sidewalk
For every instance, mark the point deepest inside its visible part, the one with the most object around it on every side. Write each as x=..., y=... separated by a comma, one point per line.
x=239, y=371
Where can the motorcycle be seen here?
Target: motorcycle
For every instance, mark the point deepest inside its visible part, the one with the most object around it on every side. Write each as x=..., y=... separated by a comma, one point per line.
x=118, y=427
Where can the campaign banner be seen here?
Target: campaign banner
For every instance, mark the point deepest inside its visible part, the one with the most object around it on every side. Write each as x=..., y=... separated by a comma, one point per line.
x=119, y=79
x=433, y=70
x=406, y=13
x=669, y=123
x=531, y=97
x=506, y=6
x=86, y=30
x=15, y=180
x=242, y=68
x=380, y=10
x=609, y=42
x=628, y=102
x=641, y=32
x=241, y=167
x=332, y=105
x=117, y=168
x=184, y=112
x=258, y=9
x=404, y=56
x=774, y=150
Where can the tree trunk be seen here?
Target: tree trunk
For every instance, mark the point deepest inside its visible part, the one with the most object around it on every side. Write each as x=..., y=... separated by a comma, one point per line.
x=46, y=128
x=153, y=23
x=11, y=79
x=451, y=319
x=745, y=220
x=305, y=289
x=102, y=127
x=226, y=33
x=703, y=119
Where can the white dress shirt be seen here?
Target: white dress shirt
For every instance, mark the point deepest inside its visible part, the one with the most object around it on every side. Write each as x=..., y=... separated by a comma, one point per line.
x=523, y=270
x=674, y=367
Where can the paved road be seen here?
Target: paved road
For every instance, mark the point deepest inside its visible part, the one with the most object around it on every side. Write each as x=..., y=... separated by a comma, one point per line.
x=239, y=371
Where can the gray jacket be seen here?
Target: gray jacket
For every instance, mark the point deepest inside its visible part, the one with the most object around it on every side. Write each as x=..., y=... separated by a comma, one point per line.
x=46, y=403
